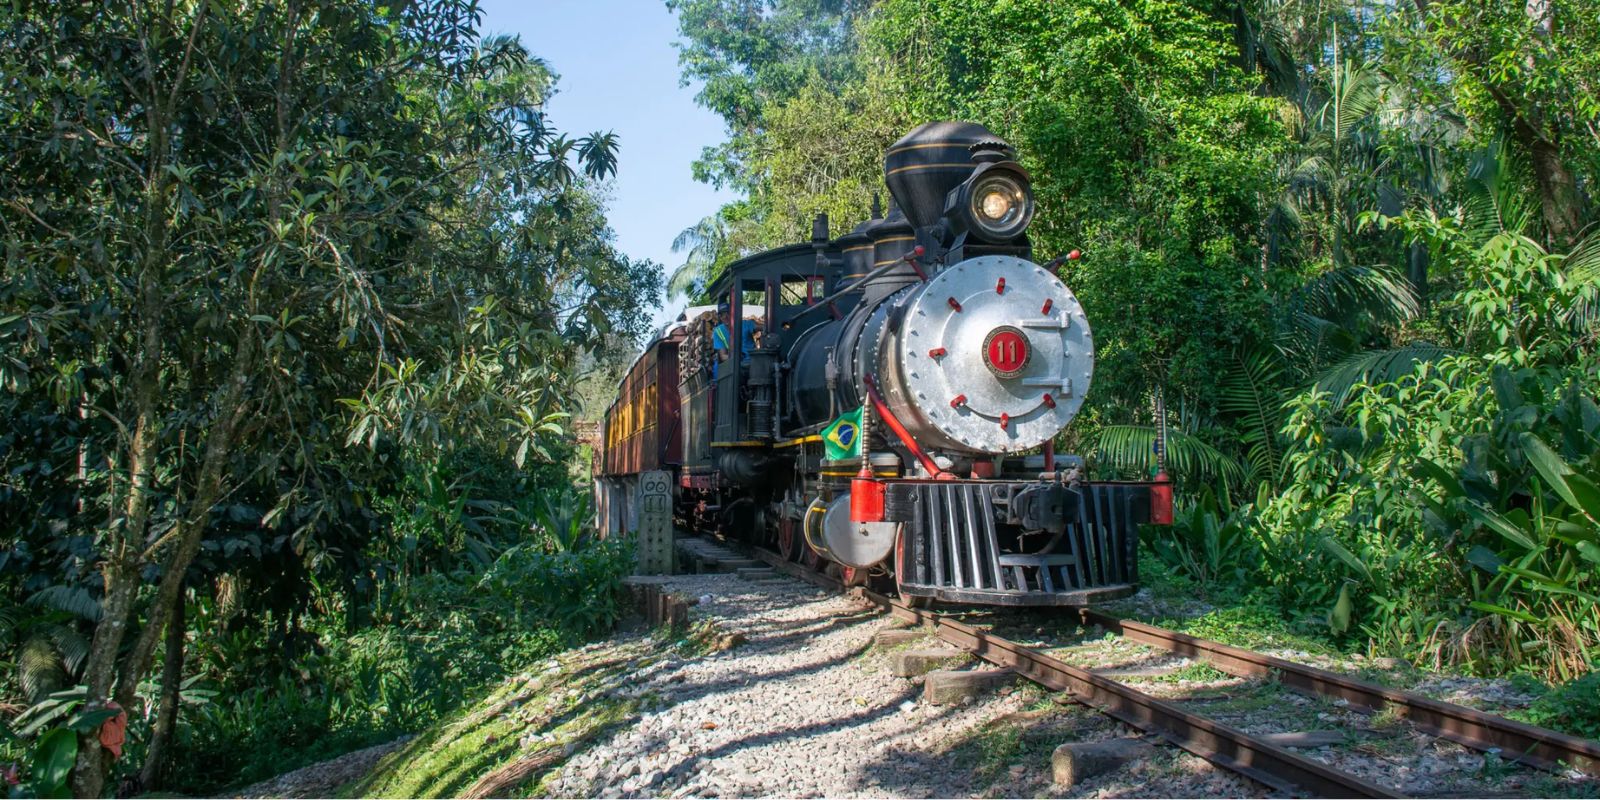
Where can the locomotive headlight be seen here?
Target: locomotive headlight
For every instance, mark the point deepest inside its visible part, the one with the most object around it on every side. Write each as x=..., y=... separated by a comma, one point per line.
x=997, y=203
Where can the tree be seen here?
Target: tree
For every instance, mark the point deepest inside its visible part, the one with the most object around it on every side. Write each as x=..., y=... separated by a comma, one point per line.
x=1528, y=68
x=1148, y=151
x=233, y=229
x=752, y=54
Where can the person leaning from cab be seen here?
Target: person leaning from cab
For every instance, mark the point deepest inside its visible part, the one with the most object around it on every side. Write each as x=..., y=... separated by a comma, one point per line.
x=749, y=337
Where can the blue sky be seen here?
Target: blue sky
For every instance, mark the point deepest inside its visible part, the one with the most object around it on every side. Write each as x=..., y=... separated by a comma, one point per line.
x=619, y=71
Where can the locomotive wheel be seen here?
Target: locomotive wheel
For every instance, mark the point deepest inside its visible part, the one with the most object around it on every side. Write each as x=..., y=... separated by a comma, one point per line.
x=786, y=539
x=810, y=557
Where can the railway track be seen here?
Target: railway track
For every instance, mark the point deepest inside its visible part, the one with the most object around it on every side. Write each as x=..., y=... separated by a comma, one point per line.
x=1251, y=755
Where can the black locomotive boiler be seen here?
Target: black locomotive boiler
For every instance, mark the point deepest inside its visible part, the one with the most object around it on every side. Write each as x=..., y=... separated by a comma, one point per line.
x=887, y=401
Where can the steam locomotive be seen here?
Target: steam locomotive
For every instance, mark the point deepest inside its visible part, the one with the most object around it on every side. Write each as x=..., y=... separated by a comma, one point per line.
x=885, y=403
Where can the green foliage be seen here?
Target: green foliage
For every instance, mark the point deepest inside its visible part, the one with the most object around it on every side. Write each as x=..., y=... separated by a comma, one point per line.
x=53, y=758
x=1531, y=523
x=292, y=306
x=1573, y=708
x=1256, y=623
x=1130, y=449
x=1525, y=69
x=1252, y=391
x=562, y=519
x=749, y=56
x=1416, y=561
x=53, y=750
x=559, y=703
x=438, y=643
x=1217, y=550
x=1375, y=367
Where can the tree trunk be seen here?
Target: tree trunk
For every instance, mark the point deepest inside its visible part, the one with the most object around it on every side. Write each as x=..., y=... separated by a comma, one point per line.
x=171, y=683
x=121, y=570
x=1558, y=189
x=231, y=408
x=124, y=564
x=122, y=588
x=1559, y=201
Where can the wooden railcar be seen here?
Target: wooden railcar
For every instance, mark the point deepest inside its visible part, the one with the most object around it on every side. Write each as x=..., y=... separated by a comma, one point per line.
x=641, y=431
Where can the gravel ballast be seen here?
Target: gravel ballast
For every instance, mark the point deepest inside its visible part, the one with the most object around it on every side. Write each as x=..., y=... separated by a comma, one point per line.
x=805, y=706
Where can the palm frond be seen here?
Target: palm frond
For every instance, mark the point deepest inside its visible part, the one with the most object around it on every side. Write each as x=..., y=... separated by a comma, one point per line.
x=71, y=645
x=702, y=245
x=1583, y=263
x=1264, y=44
x=1376, y=366
x=1254, y=392
x=1131, y=448
x=74, y=600
x=1312, y=171
x=1582, y=266
x=1313, y=340
x=39, y=668
x=1347, y=294
x=49, y=709
x=686, y=280
x=1497, y=196
x=1358, y=95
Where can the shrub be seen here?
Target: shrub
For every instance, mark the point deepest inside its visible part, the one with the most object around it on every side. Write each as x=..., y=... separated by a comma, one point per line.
x=1429, y=529
x=1573, y=708
x=1214, y=548
x=446, y=638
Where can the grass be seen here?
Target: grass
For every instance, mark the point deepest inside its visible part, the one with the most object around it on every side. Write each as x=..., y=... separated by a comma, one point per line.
x=571, y=703
x=1402, y=678
x=1252, y=627
x=1197, y=672
x=702, y=638
x=1026, y=738
x=1545, y=784
x=1263, y=702
x=530, y=722
x=1573, y=707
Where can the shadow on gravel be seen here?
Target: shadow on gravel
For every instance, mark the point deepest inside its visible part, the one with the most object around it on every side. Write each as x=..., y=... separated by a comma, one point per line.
x=804, y=633
x=891, y=705
x=693, y=691
x=1005, y=757
x=816, y=623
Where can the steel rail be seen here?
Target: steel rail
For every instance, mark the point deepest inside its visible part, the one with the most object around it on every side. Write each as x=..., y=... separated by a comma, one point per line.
x=1532, y=745
x=1221, y=744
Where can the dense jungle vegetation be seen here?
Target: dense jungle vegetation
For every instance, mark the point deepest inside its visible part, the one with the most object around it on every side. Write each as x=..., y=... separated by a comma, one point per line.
x=1350, y=244
x=298, y=298
x=295, y=299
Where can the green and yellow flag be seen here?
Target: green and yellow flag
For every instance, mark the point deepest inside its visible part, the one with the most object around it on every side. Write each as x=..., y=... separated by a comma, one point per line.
x=842, y=438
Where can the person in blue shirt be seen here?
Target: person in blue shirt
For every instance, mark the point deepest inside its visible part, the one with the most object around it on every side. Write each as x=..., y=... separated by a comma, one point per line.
x=749, y=332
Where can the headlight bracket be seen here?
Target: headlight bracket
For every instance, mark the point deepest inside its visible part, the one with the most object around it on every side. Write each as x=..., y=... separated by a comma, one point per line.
x=994, y=205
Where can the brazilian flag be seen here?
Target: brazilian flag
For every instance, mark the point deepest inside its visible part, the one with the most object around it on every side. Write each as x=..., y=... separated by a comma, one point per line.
x=842, y=438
